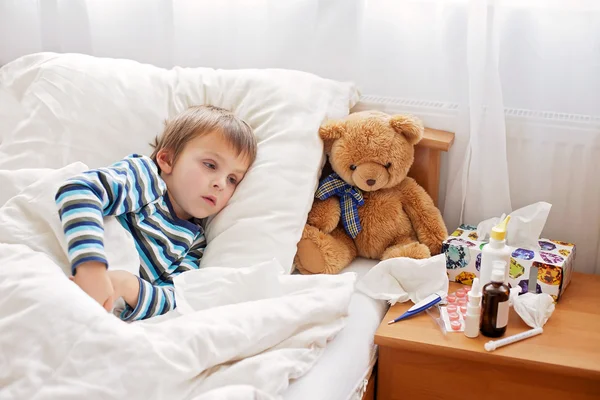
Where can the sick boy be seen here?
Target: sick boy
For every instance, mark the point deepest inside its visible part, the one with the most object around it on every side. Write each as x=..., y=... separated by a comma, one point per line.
x=162, y=200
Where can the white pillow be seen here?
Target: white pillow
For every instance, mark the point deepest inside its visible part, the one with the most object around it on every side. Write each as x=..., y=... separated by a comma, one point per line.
x=10, y=111
x=97, y=110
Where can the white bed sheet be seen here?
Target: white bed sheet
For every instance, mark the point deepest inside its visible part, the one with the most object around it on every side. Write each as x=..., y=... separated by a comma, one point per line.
x=349, y=358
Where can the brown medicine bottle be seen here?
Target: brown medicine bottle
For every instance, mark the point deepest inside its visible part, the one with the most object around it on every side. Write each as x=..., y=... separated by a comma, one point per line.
x=494, y=303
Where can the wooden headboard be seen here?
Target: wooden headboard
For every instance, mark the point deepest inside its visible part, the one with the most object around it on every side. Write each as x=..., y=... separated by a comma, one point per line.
x=426, y=167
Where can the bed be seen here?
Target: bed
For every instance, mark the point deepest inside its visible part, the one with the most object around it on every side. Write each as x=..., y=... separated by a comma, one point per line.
x=62, y=114
x=346, y=365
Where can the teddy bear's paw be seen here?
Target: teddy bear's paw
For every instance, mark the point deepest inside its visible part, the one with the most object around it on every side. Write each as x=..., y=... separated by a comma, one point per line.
x=435, y=248
x=298, y=266
x=324, y=253
x=411, y=250
x=309, y=259
x=325, y=214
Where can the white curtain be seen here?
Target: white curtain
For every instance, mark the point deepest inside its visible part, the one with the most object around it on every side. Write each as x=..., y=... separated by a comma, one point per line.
x=524, y=74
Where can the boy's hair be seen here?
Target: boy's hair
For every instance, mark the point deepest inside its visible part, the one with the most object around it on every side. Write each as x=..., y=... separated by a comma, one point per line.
x=200, y=120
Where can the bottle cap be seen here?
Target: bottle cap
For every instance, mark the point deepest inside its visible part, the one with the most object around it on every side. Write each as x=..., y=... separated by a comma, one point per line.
x=498, y=271
x=475, y=289
x=499, y=231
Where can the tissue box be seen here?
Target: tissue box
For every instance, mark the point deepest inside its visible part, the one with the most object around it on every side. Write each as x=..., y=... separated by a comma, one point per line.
x=544, y=270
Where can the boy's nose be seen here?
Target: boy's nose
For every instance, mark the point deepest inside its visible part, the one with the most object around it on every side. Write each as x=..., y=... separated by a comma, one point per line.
x=219, y=184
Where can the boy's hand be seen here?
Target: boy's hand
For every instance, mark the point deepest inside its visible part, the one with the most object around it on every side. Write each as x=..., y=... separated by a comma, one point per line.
x=126, y=285
x=93, y=278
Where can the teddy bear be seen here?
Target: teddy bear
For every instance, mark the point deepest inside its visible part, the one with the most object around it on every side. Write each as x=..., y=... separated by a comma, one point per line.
x=368, y=206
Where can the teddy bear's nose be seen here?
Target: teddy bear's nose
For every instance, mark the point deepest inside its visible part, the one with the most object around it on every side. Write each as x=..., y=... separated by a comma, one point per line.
x=371, y=182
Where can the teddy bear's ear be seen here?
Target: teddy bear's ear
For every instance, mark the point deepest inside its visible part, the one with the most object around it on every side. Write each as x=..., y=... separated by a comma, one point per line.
x=331, y=130
x=410, y=127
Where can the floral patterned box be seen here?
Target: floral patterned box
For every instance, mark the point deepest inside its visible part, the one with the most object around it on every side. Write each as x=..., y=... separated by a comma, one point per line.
x=550, y=267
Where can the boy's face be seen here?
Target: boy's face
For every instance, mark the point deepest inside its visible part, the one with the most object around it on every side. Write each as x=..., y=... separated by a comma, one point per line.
x=204, y=176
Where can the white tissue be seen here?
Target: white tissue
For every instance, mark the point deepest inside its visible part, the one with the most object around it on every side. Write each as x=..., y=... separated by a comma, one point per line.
x=514, y=293
x=485, y=227
x=401, y=279
x=534, y=309
x=524, y=228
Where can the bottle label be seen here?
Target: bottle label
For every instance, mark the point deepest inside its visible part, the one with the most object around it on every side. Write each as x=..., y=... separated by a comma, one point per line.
x=502, y=317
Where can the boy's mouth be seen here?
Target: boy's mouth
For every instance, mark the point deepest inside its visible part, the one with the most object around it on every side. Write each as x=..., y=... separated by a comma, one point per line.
x=212, y=200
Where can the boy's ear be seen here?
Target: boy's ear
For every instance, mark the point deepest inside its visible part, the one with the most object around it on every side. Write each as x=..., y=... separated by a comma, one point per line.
x=164, y=159
x=409, y=126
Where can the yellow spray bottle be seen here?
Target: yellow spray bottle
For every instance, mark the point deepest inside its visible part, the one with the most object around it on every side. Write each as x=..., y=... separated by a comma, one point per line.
x=495, y=250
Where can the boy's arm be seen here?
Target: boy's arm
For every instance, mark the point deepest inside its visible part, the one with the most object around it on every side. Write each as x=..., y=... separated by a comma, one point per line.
x=84, y=200
x=143, y=299
x=94, y=280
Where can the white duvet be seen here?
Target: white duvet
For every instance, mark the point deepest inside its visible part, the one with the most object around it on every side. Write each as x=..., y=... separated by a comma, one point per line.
x=238, y=333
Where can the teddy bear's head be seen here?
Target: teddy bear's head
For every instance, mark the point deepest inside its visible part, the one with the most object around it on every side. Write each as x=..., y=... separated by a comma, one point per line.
x=370, y=149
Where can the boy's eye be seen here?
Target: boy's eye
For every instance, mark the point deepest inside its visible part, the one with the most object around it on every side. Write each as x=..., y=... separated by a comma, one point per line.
x=232, y=180
x=210, y=165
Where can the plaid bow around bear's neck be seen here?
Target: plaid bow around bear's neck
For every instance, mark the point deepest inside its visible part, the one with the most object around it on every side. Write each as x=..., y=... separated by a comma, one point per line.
x=350, y=199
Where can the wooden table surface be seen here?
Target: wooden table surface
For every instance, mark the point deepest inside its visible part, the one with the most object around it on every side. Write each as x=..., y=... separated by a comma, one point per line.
x=570, y=343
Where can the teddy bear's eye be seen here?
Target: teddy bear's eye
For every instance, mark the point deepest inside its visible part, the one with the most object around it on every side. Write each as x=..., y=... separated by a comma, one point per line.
x=353, y=167
x=388, y=165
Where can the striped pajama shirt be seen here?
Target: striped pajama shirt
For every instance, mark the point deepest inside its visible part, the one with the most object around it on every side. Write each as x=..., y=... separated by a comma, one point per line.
x=132, y=191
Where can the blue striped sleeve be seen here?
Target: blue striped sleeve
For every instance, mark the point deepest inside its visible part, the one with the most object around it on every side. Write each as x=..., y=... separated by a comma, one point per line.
x=84, y=200
x=193, y=256
x=156, y=300
x=152, y=300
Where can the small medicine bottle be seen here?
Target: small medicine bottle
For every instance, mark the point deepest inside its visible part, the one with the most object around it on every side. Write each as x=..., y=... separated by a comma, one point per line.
x=494, y=303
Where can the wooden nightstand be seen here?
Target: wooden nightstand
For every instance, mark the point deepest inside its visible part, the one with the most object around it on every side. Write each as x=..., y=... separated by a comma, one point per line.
x=417, y=362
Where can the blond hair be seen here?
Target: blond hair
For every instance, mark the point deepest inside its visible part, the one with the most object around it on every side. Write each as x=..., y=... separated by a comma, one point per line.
x=199, y=120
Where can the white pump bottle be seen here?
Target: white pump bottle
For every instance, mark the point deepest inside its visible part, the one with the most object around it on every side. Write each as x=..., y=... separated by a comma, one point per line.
x=495, y=250
x=473, y=315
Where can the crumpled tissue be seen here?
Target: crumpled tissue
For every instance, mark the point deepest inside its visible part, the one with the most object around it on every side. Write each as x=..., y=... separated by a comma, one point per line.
x=534, y=309
x=401, y=279
x=524, y=228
